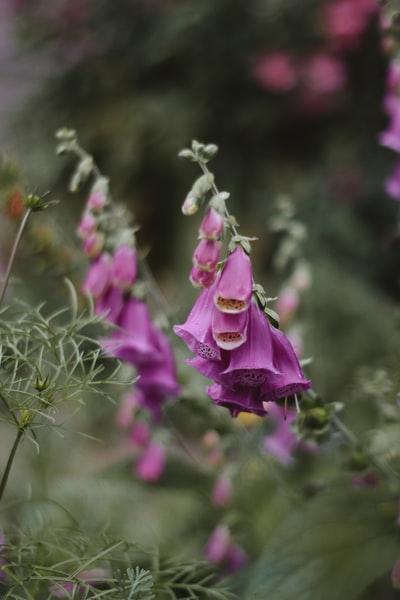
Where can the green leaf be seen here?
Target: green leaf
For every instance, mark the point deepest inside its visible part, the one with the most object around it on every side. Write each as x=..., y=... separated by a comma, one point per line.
x=333, y=547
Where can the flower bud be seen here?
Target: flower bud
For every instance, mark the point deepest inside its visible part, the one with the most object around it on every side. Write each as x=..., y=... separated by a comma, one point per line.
x=212, y=225
x=87, y=225
x=93, y=244
x=235, y=285
x=206, y=255
x=222, y=491
x=124, y=267
x=151, y=464
x=190, y=205
x=202, y=279
x=98, y=276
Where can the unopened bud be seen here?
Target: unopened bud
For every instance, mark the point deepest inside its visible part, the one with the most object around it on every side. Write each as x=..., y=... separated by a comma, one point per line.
x=190, y=205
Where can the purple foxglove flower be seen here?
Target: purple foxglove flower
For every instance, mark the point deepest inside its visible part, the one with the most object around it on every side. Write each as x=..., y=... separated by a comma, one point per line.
x=390, y=137
x=93, y=244
x=126, y=410
x=87, y=225
x=160, y=374
x=98, y=276
x=212, y=225
x=206, y=255
x=229, y=330
x=235, y=284
x=392, y=183
x=136, y=339
x=111, y=304
x=292, y=380
x=96, y=201
x=124, y=266
x=222, y=491
x=139, y=435
x=218, y=544
x=283, y=440
x=202, y=279
x=236, y=558
x=151, y=463
x=244, y=400
x=252, y=364
x=211, y=369
x=196, y=331
x=151, y=399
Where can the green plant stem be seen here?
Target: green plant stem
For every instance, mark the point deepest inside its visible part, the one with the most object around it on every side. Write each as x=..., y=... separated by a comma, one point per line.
x=12, y=255
x=10, y=461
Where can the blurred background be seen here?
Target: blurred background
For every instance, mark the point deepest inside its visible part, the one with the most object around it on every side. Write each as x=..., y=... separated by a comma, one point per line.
x=292, y=93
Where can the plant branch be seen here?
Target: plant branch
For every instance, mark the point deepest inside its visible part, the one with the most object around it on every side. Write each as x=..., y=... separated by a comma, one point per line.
x=12, y=255
x=10, y=461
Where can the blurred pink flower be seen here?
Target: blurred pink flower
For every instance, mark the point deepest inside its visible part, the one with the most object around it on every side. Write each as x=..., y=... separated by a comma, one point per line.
x=287, y=303
x=151, y=463
x=276, y=71
x=344, y=21
x=222, y=491
x=323, y=73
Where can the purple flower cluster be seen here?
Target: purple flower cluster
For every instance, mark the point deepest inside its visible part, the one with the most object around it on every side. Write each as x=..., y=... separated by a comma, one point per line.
x=135, y=339
x=208, y=250
x=249, y=361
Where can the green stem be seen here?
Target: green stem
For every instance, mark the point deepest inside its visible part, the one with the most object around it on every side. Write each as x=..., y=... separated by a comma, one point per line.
x=12, y=255
x=10, y=461
x=206, y=171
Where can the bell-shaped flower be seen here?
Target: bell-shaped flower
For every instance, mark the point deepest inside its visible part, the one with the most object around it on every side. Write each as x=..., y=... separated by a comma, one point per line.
x=202, y=279
x=87, y=225
x=160, y=375
x=151, y=463
x=135, y=340
x=212, y=225
x=124, y=266
x=252, y=363
x=206, y=255
x=110, y=304
x=196, y=331
x=229, y=330
x=235, y=284
x=245, y=399
x=98, y=276
x=292, y=380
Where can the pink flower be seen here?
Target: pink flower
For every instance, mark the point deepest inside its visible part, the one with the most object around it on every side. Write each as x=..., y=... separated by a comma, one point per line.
x=93, y=244
x=136, y=339
x=96, y=201
x=222, y=491
x=126, y=410
x=276, y=71
x=229, y=330
x=235, y=284
x=202, y=279
x=98, y=276
x=212, y=225
x=124, y=267
x=392, y=183
x=283, y=441
x=323, y=73
x=110, y=304
x=218, y=544
x=87, y=225
x=151, y=463
x=344, y=21
x=140, y=434
x=287, y=303
x=206, y=255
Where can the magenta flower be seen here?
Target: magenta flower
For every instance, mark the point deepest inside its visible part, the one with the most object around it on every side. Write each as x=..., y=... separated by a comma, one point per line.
x=283, y=440
x=140, y=434
x=212, y=225
x=87, y=225
x=110, y=304
x=196, y=331
x=276, y=71
x=136, y=339
x=235, y=284
x=206, y=255
x=240, y=400
x=221, y=550
x=96, y=201
x=222, y=491
x=98, y=276
x=229, y=330
x=392, y=183
x=93, y=244
x=390, y=137
x=202, y=279
x=124, y=266
x=324, y=73
x=151, y=463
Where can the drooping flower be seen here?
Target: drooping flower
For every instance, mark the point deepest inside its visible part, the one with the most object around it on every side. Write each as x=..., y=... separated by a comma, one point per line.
x=206, y=255
x=124, y=266
x=235, y=284
x=135, y=340
x=202, y=279
x=229, y=330
x=196, y=331
x=151, y=463
x=212, y=225
x=97, y=278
